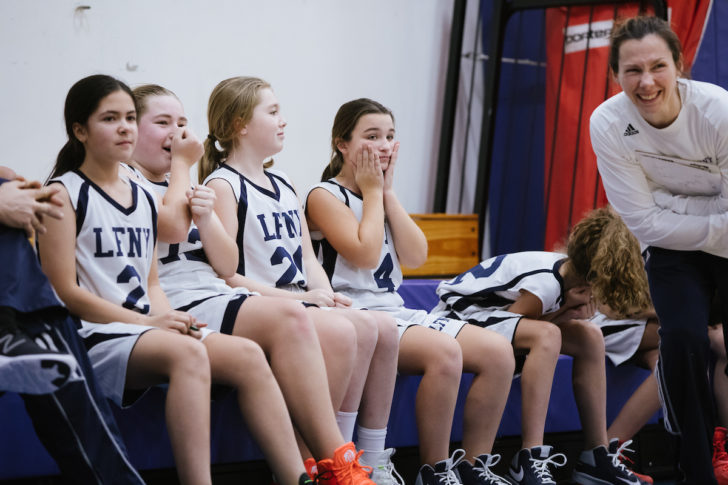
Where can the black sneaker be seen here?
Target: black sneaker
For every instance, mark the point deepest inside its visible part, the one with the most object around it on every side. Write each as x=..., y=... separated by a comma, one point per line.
x=615, y=448
x=28, y=368
x=443, y=473
x=597, y=466
x=530, y=466
x=480, y=474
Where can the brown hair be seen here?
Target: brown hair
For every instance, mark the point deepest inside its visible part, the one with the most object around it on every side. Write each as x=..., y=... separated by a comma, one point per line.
x=146, y=91
x=230, y=108
x=636, y=28
x=606, y=254
x=344, y=123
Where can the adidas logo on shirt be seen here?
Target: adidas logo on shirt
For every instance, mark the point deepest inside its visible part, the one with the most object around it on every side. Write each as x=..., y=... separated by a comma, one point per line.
x=630, y=130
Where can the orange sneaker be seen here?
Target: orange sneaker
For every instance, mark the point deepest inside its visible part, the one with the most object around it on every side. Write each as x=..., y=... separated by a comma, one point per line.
x=311, y=469
x=720, y=457
x=344, y=468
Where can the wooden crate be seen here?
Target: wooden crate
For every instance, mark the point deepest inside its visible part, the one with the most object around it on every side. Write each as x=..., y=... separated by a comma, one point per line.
x=452, y=241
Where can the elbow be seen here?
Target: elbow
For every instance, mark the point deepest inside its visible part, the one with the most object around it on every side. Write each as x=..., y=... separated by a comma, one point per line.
x=173, y=235
x=368, y=262
x=413, y=260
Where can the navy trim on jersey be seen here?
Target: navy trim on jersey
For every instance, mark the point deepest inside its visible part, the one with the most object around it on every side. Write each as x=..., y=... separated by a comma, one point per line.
x=343, y=191
x=242, y=217
x=487, y=297
x=275, y=195
x=81, y=207
x=329, y=255
x=96, y=338
x=610, y=329
x=119, y=207
x=271, y=176
x=231, y=314
x=195, y=303
x=150, y=198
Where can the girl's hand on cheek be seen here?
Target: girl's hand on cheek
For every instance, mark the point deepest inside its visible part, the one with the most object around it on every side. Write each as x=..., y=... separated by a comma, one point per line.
x=389, y=173
x=367, y=172
x=186, y=147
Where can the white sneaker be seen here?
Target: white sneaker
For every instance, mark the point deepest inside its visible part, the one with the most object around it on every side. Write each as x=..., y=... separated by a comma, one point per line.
x=383, y=472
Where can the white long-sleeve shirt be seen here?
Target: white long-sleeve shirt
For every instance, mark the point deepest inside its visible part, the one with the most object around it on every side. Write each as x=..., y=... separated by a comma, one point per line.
x=681, y=217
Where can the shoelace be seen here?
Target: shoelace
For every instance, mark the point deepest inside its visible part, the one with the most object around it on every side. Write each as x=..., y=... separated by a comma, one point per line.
x=353, y=466
x=542, y=466
x=483, y=469
x=618, y=457
x=448, y=476
x=388, y=468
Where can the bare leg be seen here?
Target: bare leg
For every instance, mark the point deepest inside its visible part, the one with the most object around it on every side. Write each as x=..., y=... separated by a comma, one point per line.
x=241, y=363
x=161, y=355
x=583, y=340
x=290, y=338
x=367, y=330
x=645, y=401
x=490, y=357
x=438, y=358
x=376, y=397
x=542, y=340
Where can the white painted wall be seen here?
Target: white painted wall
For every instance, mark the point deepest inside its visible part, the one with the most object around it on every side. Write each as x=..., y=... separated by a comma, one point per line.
x=317, y=54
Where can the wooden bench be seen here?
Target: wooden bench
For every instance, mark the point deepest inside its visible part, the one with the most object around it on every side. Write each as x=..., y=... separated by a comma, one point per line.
x=452, y=241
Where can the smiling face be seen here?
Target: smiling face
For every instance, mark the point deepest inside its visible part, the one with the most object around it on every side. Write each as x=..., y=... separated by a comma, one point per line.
x=162, y=118
x=375, y=129
x=648, y=76
x=264, y=132
x=110, y=132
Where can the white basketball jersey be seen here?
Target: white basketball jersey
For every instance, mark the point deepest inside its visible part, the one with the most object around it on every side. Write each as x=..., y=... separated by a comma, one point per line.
x=496, y=283
x=269, y=229
x=114, y=244
x=368, y=288
x=184, y=272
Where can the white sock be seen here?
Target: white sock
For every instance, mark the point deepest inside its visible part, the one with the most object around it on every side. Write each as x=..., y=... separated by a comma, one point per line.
x=346, y=422
x=368, y=439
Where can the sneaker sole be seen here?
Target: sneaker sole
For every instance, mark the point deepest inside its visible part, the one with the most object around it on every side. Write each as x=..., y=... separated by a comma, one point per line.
x=36, y=373
x=582, y=478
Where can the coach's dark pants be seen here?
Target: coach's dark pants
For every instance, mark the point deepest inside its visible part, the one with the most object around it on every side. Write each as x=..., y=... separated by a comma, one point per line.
x=682, y=285
x=75, y=423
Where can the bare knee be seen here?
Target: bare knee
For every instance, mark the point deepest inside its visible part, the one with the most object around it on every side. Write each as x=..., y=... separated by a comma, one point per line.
x=446, y=361
x=548, y=341
x=367, y=329
x=388, y=334
x=294, y=322
x=591, y=340
x=189, y=357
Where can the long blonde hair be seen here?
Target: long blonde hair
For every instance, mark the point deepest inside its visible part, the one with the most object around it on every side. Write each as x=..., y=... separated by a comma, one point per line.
x=606, y=254
x=230, y=108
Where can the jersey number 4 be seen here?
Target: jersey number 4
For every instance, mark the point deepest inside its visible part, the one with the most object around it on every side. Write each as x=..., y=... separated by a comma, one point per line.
x=383, y=274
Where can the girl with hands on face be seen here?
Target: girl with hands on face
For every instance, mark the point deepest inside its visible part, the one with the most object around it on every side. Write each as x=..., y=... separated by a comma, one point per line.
x=101, y=258
x=361, y=232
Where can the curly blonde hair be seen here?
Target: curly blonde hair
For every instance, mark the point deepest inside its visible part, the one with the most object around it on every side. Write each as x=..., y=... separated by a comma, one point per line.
x=606, y=254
